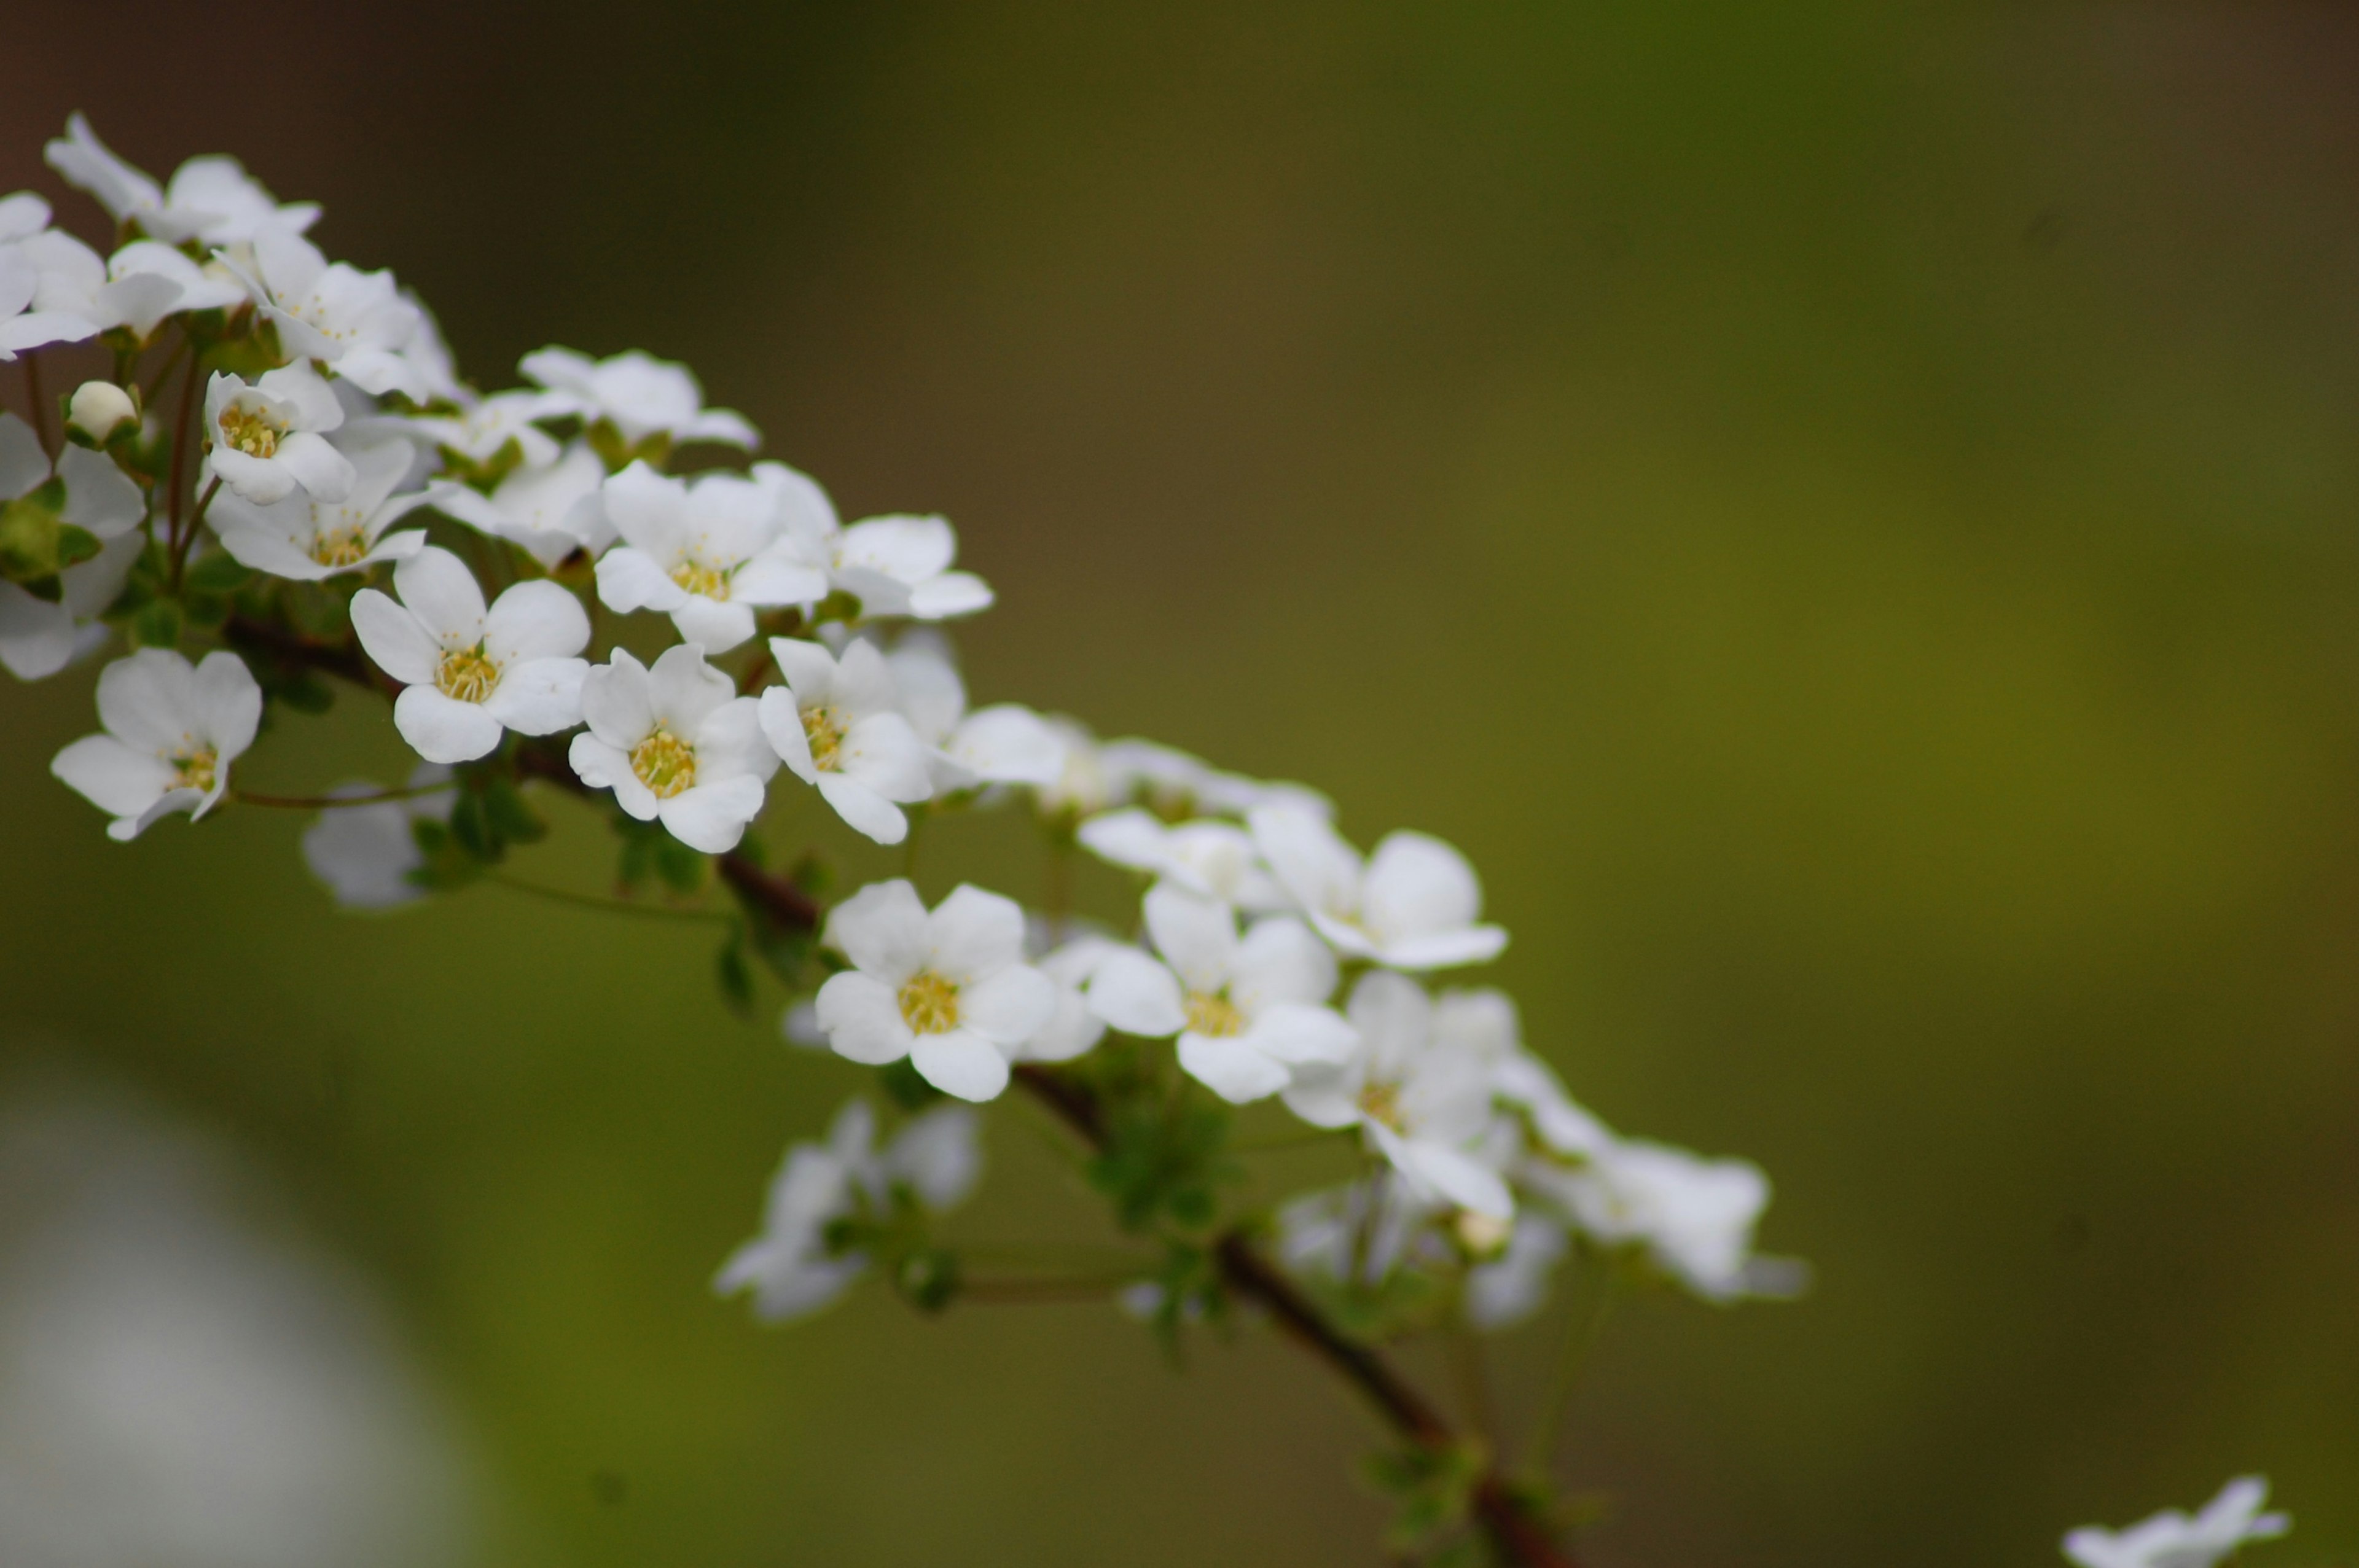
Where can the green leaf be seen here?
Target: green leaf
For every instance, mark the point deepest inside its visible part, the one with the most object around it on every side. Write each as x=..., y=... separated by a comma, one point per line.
x=1163, y=1161
x=218, y=571
x=304, y=692
x=681, y=868
x=158, y=624
x=75, y=546
x=736, y=976
x=471, y=830
x=906, y=1086
x=512, y=818
x=31, y=536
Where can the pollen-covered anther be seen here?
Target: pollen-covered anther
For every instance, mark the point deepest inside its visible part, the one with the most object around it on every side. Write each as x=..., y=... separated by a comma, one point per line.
x=466, y=675
x=194, y=768
x=665, y=763
x=1380, y=1103
x=340, y=547
x=825, y=729
x=251, y=431
x=1210, y=1013
x=929, y=1004
x=700, y=580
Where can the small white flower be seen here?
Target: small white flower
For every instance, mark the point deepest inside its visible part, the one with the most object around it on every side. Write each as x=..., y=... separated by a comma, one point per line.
x=39, y=637
x=2171, y=1539
x=1693, y=1217
x=211, y=200
x=1005, y=743
x=1508, y=1289
x=366, y=854
x=264, y=439
x=480, y=429
x=1375, y=1224
x=835, y=726
x=305, y=539
x=790, y=1268
x=549, y=510
x=1072, y=1028
x=471, y=673
x=1249, y=1014
x=948, y=990
x=675, y=743
x=133, y=290
x=1215, y=858
x=171, y=734
x=44, y=275
x=1421, y=1099
x=707, y=554
x=901, y=566
x=359, y=322
x=639, y=395
x=1411, y=905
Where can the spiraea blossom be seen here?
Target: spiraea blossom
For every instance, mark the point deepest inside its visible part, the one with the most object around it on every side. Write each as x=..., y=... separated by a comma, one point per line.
x=708, y=553
x=1005, y=743
x=1413, y=905
x=639, y=396
x=835, y=724
x=172, y=731
x=39, y=636
x=37, y=266
x=948, y=990
x=302, y=537
x=470, y=672
x=209, y=199
x=675, y=743
x=902, y=566
x=2173, y=1539
x=357, y=321
x=1216, y=860
x=1692, y=1217
x=366, y=852
x=549, y=510
x=267, y=439
x=1249, y=1011
x=794, y=1268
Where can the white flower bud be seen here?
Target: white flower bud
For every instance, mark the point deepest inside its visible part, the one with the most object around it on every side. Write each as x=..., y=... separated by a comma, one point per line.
x=99, y=408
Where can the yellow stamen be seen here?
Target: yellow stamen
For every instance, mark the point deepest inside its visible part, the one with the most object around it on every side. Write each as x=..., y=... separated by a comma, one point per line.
x=930, y=1003
x=465, y=673
x=1381, y=1102
x=194, y=769
x=703, y=579
x=665, y=763
x=251, y=431
x=1214, y=1015
x=824, y=727
x=340, y=546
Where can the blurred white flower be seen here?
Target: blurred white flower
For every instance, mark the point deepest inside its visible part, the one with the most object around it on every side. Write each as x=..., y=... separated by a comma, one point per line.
x=835, y=725
x=1249, y=1013
x=637, y=394
x=1694, y=1218
x=135, y=289
x=366, y=854
x=172, y=731
x=1411, y=905
x=675, y=743
x=948, y=990
x=358, y=322
x=1004, y=744
x=305, y=540
x=791, y=1268
x=549, y=510
x=479, y=429
x=901, y=566
x=1216, y=860
x=704, y=553
x=1508, y=1289
x=44, y=273
x=2171, y=1539
x=1072, y=1028
x=211, y=200
x=468, y=672
x=39, y=637
x=265, y=438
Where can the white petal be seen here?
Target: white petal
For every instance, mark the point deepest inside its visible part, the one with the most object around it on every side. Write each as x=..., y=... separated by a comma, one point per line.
x=952, y=593
x=712, y=817
x=975, y=933
x=227, y=704
x=630, y=579
x=1009, y=1006
x=442, y=729
x=1009, y=743
x=1197, y=935
x=717, y=626
x=863, y=809
x=885, y=754
x=392, y=636
x=882, y=929
x=24, y=466
x=782, y=726
x=1443, y=949
x=99, y=497
x=534, y=620
x=961, y=1063
x=436, y=587
x=112, y=776
x=615, y=703
x=1136, y=995
x=1417, y=883
x=1293, y=1032
x=863, y=1019
x=1230, y=1068
x=318, y=467
x=684, y=691
x=538, y=697
x=603, y=767
x=1280, y=960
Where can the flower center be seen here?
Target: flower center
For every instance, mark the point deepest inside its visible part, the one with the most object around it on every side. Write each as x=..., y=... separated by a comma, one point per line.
x=194, y=769
x=665, y=763
x=466, y=675
x=929, y=1004
x=1214, y=1015
x=251, y=431
x=340, y=546
x=1381, y=1102
x=701, y=579
x=824, y=727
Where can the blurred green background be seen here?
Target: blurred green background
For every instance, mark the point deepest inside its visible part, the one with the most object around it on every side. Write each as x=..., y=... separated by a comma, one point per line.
x=1844, y=513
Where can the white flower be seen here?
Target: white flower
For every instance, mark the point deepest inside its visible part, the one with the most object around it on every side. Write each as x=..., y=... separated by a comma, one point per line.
x=704, y=553
x=1484, y=1024
x=1004, y=743
x=1420, y=1098
x=1215, y=858
x=675, y=743
x=171, y=734
x=1505, y=1291
x=471, y=673
x=305, y=540
x=901, y=566
x=835, y=726
x=948, y=990
x=1248, y=1012
x=549, y=511
x=1374, y=1223
x=1412, y=905
x=366, y=854
x=478, y=431
x=359, y=322
x=265, y=440
x=638, y=394
x=2171, y=1539
x=134, y=289
x=44, y=273
x=1694, y=1217
x=790, y=1267
x=39, y=637
x=1072, y=1028
x=211, y=200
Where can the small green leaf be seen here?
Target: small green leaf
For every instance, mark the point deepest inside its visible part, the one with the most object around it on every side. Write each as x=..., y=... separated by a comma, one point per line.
x=75, y=546
x=681, y=868
x=218, y=571
x=511, y=817
x=30, y=534
x=906, y=1086
x=158, y=625
x=736, y=976
x=471, y=830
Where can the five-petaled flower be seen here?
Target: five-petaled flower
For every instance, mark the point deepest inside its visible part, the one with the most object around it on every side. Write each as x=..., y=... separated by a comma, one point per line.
x=304, y=538
x=211, y=198
x=1250, y=1013
x=675, y=743
x=835, y=725
x=172, y=731
x=706, y=553
x=39, y=636
x=265, y=438
x=468, y=673
x=1413, y=904
x=638, y=394
x=949, y=989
